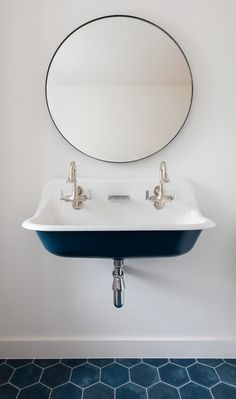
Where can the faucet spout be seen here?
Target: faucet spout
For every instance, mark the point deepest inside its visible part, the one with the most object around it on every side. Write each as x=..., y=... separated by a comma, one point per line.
x=163, y=173
x=72, y=173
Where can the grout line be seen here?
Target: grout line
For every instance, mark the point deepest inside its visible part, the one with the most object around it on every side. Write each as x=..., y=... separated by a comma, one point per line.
x=138, y=385
x=44, y=385
x=129, y=375
x=179, y=392
x=186, y=383
x=23, y=365
x=42, y=370
x=18, y=389
x=226, y=383
x=122, y=385
x=188, y=375
x=71, y=371
x=222, y=364
x=100, y=374
x=10, y=383
x=50, y=394
x=169, y=385
x=234, y=365
x=216, y=371
x=109, y=386
x=211, y=394
x=207, y=365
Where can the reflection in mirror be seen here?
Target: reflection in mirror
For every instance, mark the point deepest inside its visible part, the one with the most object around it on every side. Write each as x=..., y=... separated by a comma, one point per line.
x=119, y=88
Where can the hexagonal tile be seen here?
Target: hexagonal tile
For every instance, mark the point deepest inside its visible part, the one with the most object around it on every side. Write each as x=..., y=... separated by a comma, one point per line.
x=211, y=362
x=18, y=362
x=73, y=362
x=195, y=391
x=85, y=375
x=36, y=391
x=173, y=375
x=2, y=361
x=144, y=375
x=156, y=362
x=227, y=373
x=162, y=391
x=100, y=362
x=66, y=391
x=7, y=391
x=46, y=362
x=128, y=362
x=223, y=391
x=5, y=373
x=130, y=391
x=26, y=375
x=114, y=375
x=98, y=391
x=183, y=362
x=203, y=375
x=55, y=375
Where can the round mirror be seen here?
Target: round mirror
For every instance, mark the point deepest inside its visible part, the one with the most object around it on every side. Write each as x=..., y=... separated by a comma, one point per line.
x=119, y=88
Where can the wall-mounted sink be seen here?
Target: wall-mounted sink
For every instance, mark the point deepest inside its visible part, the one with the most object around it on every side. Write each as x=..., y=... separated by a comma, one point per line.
x=118, y=229
x=119, y=221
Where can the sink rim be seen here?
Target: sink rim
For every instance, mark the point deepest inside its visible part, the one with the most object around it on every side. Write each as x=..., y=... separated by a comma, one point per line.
x=205, y=223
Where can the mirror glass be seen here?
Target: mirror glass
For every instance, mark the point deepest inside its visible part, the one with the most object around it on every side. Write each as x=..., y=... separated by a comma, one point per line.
x=119, y=88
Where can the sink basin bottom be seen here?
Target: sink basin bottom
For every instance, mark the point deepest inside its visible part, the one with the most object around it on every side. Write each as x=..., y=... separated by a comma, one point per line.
x=119, y=244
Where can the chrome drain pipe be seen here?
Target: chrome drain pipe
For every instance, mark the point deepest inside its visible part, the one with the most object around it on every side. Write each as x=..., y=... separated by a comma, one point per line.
x=118, y=285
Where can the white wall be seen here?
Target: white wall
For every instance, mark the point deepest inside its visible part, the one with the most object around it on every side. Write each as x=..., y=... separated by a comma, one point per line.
x=180, y=306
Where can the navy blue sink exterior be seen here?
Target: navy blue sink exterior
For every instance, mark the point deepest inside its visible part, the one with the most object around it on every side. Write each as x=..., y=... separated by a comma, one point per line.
x=119, y=244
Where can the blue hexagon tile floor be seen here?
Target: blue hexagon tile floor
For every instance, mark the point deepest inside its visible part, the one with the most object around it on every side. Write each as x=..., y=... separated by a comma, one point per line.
x=118, y=379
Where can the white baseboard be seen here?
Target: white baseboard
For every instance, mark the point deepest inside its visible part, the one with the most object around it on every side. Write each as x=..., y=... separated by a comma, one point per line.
x=102, y=348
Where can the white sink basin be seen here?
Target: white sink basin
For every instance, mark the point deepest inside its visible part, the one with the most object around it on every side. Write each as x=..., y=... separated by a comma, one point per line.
x=131, y=228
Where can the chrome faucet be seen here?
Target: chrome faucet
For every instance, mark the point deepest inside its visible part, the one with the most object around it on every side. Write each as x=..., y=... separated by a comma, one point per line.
x=77, y=196
x=159, y=197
